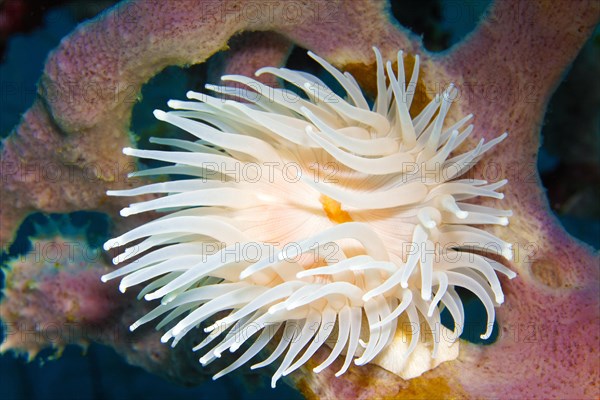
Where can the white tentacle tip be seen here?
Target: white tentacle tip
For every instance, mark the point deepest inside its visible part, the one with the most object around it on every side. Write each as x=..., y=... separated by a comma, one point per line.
x=112, y=243
x=151, y=296
x=318, y=369
x=174, y=104
x=128, y=151
x=203, y=360
x=450, y=93
x=339, y=373
x=462, y=214
x=190, y=94
x=508, y=253
x=176, y=330
x=160, y=114
x=168, y=298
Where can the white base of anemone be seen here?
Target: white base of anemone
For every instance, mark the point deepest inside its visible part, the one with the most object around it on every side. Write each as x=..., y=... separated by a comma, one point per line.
x=421, y=359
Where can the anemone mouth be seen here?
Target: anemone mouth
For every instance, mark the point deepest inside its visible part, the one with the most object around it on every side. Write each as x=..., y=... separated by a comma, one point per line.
x=301, y=214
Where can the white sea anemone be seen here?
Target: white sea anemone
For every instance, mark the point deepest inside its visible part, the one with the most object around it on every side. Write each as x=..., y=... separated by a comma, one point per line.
x=305, y=214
